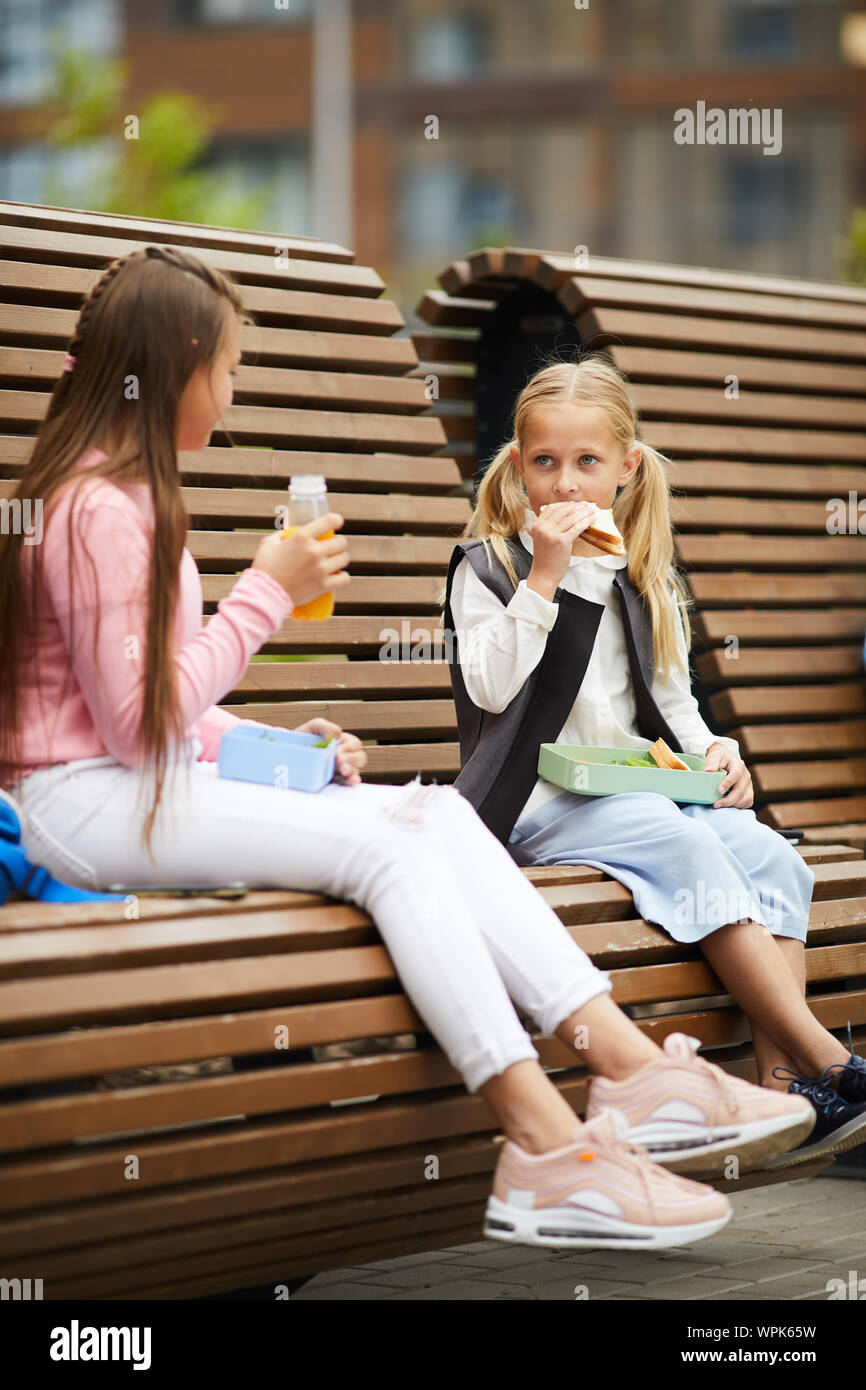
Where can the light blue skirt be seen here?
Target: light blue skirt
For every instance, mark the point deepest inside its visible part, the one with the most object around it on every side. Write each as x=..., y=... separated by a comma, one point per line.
x=691, y=869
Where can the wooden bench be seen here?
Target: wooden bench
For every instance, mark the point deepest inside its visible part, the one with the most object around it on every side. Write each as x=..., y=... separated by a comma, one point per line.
x=195, y=1182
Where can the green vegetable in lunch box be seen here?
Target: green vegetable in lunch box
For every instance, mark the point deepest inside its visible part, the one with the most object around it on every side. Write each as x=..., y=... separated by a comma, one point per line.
x=323, y=742
x=634, y=760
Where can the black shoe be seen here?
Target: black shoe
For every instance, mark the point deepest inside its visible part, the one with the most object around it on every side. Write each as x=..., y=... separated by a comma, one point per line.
x=839, y=1124
x=851, y=1084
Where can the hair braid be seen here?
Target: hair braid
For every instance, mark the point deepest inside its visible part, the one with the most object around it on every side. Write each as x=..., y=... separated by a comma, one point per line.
x=95, y=293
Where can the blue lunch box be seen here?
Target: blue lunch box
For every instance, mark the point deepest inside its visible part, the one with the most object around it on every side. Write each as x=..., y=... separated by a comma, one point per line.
x=276, y=757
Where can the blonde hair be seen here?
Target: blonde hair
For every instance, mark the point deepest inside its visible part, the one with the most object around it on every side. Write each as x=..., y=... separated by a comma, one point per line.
x=641, y=511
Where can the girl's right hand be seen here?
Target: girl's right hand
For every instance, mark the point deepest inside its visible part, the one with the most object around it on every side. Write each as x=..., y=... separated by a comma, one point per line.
x=553, y=534
x=305, y=566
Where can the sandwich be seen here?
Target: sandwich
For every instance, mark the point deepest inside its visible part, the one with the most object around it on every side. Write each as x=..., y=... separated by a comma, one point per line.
x=603, y=533
x=665, y=757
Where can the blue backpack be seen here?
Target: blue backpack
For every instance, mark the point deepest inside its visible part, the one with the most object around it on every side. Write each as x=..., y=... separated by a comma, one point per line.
x=18, y=874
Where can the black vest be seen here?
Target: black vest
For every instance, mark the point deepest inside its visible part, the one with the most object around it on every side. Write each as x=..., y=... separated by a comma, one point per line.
x=499, y=752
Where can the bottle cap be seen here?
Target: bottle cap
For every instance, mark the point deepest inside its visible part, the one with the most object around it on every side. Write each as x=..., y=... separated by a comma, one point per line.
x=307, y=484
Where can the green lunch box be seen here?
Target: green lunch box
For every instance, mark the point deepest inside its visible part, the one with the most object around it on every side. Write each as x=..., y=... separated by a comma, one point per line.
x=588, y=772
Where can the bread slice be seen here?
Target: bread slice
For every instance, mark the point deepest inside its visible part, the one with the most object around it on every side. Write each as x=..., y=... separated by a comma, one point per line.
x=665, y=757
x=603, y=534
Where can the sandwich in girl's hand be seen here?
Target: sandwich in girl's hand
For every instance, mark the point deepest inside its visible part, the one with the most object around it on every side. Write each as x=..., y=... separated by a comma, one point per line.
x=603, y=534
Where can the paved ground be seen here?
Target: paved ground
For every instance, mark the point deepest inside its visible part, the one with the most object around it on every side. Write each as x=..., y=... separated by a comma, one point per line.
x=784, y=1242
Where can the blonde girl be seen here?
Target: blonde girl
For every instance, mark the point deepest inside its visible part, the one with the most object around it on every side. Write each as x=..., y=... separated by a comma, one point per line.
x=554, y=641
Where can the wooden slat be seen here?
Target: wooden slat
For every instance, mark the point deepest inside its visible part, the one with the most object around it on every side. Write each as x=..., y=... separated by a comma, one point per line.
x=439, y=347
x=752, y=514
x=832, y=811
x=551, y=271
x=366, y=718
x=825, y=774
x=716, y=590
x=600, y=326
x=232, y=550
x=323, y=429
x=773, y=552
x=38, y=326
x=370, y=472
x=853, y=832
x=261, y=506
x=649, y=364
x=290, y=386
x=22, y=280
x=761, y=407
x=579, y=292
x=765, y=479
x=410, y=592
x=61, y=247
x=754, y=441
x=768, y=702
x=764, y=740
x=341, y=679
x=153, y=229
x=783, y=625
x=780, y=663
x=446, y=312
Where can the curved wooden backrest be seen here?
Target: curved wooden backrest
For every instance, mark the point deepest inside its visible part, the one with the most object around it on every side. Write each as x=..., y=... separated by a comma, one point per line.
x=755, y=387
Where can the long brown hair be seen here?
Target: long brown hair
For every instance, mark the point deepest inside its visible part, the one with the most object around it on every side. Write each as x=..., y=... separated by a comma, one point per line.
x=641, y=511
x=134, y=326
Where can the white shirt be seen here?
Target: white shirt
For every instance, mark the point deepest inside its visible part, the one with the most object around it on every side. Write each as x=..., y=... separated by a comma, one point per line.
x=500, y=647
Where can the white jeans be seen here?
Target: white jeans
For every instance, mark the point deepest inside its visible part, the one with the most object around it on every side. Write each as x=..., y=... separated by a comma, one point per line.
x=463, y=926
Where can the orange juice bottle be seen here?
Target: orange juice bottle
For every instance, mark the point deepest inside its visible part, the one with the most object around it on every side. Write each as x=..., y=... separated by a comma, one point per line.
x=307, y=500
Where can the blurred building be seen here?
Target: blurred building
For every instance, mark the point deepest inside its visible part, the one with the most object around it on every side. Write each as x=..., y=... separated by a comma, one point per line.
x=555, y=122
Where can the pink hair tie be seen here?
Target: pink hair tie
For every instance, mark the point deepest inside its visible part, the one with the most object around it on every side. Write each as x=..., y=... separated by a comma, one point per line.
x=68, y=362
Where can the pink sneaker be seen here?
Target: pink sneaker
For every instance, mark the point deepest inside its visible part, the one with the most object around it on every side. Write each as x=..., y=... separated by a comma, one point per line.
x=600, y=1192
x=692, y=1116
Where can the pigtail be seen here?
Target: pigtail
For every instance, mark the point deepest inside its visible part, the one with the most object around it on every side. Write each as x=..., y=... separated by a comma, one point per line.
x=642, y=513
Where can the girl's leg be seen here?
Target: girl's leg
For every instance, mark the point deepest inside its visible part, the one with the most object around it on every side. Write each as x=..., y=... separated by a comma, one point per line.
x=544, y=970
x=783, y=884
x=389, y=865
x=746, y=959
x=767, y=1053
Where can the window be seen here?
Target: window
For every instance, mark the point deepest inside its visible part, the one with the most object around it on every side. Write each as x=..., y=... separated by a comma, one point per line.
x=761, y=28
x=243, y=167
x=22, y=173
x=447, y=46
x=28, y=28
x=448, y=206
x=765, y=204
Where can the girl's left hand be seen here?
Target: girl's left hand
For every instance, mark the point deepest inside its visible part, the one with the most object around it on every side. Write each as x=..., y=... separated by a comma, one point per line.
x=735, y=789
x=351, y=757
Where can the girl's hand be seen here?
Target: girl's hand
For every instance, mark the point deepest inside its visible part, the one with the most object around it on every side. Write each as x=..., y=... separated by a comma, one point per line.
x=351, y=757
x=305, y=566
x=554, y=532
x=736, y=788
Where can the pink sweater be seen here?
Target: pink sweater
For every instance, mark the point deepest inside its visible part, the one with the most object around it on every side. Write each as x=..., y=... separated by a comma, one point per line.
x=100, y=710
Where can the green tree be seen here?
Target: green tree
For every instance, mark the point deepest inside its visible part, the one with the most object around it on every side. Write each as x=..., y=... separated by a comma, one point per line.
x=153, y=175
